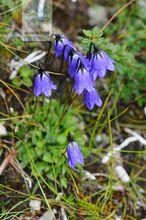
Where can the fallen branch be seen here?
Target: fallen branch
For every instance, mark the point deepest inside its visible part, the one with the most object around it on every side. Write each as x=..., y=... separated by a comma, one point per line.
x=118, y=148
x=135, y=137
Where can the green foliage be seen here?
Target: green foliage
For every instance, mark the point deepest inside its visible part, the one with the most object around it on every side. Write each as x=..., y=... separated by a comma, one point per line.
x=26, y=74
x=9, y=4
x=44, y=136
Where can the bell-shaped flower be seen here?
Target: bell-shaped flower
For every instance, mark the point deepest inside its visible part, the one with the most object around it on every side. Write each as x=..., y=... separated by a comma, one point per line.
x=43, y=84
x=74, y=61
x=92, y=98
x=63, y=46
x=100, y=62
x=74, y=154
x=83, y=80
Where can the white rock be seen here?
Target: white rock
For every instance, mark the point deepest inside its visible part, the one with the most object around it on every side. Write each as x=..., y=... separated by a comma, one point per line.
x=35, y=205
x=101, y=137
x=11, y=109
x=122, y=174
x=63, y=214
x=141, y=190
x=49, y=215
x=145, y=110
x=58, y=197
x=3, y=130
x=118, y=218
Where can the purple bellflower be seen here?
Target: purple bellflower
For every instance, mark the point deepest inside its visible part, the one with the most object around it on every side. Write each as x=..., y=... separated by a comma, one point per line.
x=73, y=152
x=100, y=62
x=43, y=84
x=74, y=61
x=92, y=98
x=63, y=46
x=83, y=79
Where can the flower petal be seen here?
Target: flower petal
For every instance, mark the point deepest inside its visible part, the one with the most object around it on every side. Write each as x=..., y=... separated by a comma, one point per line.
x=92, y=98
x=74, y=154
x=37, y=86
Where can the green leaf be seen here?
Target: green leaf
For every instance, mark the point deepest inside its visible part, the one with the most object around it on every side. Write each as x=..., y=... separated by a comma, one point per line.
x=40, y=166
x=61, y=138
x=47, y=157
x=87, y=33
x=96, y=32
x=64, y=182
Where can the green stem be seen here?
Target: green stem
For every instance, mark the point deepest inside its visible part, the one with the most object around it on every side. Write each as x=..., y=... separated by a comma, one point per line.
x=111, y=110
x=98, y=119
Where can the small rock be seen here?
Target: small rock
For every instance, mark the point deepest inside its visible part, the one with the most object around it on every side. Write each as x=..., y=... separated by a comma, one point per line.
x=122, y=174
x=63, y=214
x=58, y=197
x=3, y=130
x=48, y=215
x=35, y=205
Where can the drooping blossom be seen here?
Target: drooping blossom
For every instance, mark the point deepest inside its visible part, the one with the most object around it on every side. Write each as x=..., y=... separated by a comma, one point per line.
x=83, y=81
x=74, y=60
x=100, y=62
x=84, y=70
x=82, y=78
x=74, y=154
x=43, y=84
x=63, y=46
x=92, y=98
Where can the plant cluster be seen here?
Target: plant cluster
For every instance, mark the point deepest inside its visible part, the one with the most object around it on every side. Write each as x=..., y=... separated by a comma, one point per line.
x=43, y=136
x=83, y=69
